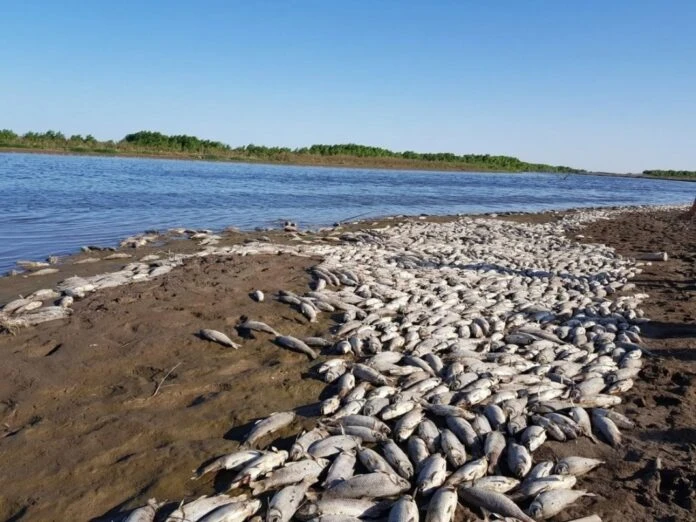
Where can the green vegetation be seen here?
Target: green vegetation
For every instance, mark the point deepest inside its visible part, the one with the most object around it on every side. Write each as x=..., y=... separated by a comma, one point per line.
x=148, y=143
x=671, y=173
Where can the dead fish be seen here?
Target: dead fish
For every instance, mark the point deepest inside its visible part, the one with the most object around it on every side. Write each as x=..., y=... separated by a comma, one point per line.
x=196, y=509
x=258, y=467
x=493, y=448
x=608, y=429
x=317, y=342
x=494, y=502
x=348, y=507
x=497, y=483
x=257, y=295
x=234, y=512
x=404, y=510
x=442, y=506
x=287, y=341
x=432, y=474
x=373, y=461
x=469, y=472
x=519, y=460
x=370, y=485
x=397, y=458
x=342, y=468
x=43, y=271
x=531, y=488
x=274, y=422
x=453, y=448
x=307, y=470
x=581, y=417
x=285, y=503
x=333, y=445
x=304, y=441
x=32, y=265
x=551, y=503
x=576, y=465
x=365, y=434
x=146, y=513
x=619, y=419
x=230, y=461
x=217, y=337
x=256, y=326
x=308, y=311
x=365, y=421
x=542, y=469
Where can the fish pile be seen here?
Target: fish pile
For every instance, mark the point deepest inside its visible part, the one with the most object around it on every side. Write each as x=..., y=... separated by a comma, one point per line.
x=462, y=348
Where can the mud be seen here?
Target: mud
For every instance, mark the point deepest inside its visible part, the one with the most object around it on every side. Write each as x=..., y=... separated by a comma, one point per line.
x=83, y=438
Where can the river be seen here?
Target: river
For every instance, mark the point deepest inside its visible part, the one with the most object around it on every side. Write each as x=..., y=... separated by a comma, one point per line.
x=53, y=204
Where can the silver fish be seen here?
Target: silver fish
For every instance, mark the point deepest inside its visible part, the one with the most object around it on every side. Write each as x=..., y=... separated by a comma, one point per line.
x=492, y=501
x=273, y=423
x=551, y=503
x=287, y=341
x=285, y=502
x=370, y=485
x=218, y=337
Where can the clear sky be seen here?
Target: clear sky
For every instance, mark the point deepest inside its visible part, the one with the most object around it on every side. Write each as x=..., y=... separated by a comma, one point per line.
x=602, y=85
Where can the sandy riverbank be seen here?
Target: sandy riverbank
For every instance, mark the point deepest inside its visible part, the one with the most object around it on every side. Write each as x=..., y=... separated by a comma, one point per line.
x=83, y=437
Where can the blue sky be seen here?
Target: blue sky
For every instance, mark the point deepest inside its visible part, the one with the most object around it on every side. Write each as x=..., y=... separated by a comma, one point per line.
x=603, y=85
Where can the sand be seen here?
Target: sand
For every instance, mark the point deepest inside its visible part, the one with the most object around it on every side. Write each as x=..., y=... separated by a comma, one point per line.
x=83, y=438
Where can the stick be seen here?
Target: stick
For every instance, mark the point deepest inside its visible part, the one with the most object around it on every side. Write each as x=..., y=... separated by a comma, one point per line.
x=353, y=217
x=165, y=378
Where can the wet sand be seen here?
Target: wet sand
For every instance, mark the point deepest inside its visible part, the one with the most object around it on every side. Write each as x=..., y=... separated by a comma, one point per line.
x=83, y=438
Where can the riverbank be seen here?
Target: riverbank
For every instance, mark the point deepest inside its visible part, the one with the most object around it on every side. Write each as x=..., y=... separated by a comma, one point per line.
x=348, y=162
x=354, y=162
x=77, y=400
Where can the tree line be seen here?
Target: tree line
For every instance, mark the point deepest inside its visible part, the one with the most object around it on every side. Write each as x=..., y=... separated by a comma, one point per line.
x=149, y=142
x=671, y=173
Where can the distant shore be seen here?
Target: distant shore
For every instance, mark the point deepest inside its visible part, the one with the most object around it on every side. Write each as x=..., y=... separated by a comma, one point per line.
x=308, y=161
x=321, y=161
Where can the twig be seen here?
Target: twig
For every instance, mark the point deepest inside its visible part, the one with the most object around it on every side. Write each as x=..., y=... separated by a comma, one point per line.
x=165, y=378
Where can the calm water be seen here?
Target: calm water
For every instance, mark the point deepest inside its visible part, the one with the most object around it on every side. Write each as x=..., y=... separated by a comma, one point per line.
x=55, y=204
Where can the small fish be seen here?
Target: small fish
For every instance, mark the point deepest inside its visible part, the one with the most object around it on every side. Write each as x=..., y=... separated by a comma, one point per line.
x=432, y=474
x=304, y=441
x=144, y=514
x=307, y=471
x=217, y=337
x=308, y=311
x=287, y=341
x=404, y=510
x=551, y=503
x=197, y=509
x=230, y=461
x=442, y=506
x=256, y=326
x=342, y=468
x=257, y=295
x=370, y=485
x=576, y=465
x=284, y=504
x=272, y=423
x=492, y=501
x=234, y=512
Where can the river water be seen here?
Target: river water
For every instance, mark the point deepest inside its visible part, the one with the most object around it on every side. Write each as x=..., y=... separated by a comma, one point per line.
x=53, y=204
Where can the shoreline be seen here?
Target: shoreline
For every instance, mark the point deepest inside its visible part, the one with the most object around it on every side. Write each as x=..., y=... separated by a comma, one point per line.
x=324, y=162
x=87, y=381
x=168, y=235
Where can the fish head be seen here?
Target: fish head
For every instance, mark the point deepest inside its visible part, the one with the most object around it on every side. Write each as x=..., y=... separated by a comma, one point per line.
x=535, y=510
x=561, y=468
